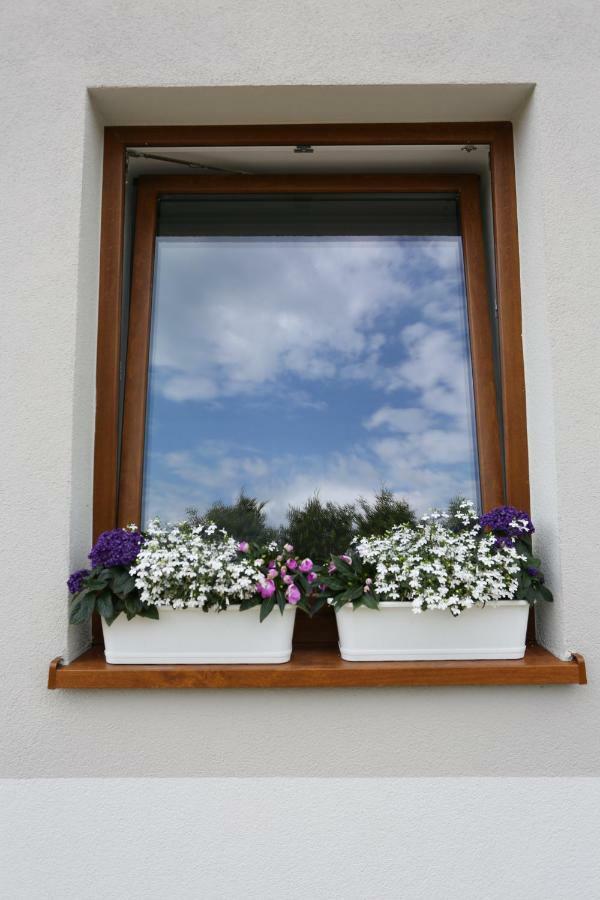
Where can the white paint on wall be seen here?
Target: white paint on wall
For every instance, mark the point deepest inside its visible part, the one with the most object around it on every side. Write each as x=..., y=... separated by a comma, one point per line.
x=144, y=62
x=295, y=839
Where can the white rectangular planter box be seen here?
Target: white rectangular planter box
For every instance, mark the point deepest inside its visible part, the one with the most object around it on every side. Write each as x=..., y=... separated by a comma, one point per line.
x=194, y=636
x=395, y=632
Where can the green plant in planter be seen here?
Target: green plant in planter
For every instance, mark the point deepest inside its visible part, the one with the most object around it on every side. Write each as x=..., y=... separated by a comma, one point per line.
x=108, y=588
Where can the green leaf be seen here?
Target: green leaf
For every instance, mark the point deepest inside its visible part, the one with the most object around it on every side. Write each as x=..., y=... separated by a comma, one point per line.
x=147, y=611
x=104, y=604
x=546, y=593
x=370, y=601
x=81, y=608
x=281, y=601
x=266, y=606
x=317, y=605
x=132, y=605
x=249, y=604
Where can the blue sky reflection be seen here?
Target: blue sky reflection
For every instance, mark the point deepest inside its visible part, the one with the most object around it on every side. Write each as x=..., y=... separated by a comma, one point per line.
x=286, y=366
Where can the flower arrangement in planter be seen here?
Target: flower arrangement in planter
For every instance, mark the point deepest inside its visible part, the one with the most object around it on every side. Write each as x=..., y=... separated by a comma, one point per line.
x=477, y=575
x=174, y=573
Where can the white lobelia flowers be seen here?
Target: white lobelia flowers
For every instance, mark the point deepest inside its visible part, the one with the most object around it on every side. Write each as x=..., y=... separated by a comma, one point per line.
x=193, y=566
x=440, y=567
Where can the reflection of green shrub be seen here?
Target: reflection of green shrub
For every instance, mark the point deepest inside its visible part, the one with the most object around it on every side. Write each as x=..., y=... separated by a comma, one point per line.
x=317, y=530
x=245, y=520
x=382, y=514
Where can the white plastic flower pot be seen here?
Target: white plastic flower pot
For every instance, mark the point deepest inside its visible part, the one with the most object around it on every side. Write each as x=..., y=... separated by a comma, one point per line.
x=194, y=636
x=395, y=632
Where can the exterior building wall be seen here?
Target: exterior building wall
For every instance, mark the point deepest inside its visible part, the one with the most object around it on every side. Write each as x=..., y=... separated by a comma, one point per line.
x=70, y=68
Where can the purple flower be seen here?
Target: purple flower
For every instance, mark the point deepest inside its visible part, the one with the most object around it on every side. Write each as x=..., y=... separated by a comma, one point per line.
x=287, y=579
x=347, y=559
x=306, y=565
x=266, y=589
x=292, y=594
x=331, y=568
x=116, y=548
x=507, y=523
x=272, y=573
x=243, y=547
x=292, y=564
x=312, y=576
x=288, y=548
x=75, y=582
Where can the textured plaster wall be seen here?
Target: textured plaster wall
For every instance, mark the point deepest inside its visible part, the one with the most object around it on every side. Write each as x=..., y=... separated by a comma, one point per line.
x=476, y=60
x=270, y=839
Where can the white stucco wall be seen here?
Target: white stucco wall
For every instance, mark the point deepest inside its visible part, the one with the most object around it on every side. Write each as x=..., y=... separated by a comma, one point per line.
x=212, y=61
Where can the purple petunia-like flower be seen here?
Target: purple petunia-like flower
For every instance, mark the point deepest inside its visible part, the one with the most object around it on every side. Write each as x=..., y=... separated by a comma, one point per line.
x=76, y=579
x=118, y=547
x=507, y=523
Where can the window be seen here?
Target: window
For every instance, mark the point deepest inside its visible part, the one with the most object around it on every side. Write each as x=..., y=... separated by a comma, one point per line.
x=141, y=412
x=300, y=336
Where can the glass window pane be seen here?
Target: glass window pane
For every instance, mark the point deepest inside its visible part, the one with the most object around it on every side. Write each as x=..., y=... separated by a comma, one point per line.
x=308, y=344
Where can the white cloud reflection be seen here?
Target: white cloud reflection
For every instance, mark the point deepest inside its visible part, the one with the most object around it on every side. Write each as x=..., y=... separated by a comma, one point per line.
x=363, y=341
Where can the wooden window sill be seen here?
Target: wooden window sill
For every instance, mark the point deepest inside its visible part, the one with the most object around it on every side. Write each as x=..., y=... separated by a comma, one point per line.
x=317, y=666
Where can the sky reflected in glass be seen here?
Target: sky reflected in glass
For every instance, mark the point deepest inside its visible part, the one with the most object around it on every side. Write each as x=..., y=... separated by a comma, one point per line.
x=286, y=366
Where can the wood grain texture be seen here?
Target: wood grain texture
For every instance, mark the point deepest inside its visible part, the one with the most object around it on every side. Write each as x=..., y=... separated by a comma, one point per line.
x=136, y=371
x=317, y=667
x=508, y=288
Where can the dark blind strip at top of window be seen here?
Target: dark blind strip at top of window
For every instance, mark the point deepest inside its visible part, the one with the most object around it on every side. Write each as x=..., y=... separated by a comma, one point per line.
x=309, y=215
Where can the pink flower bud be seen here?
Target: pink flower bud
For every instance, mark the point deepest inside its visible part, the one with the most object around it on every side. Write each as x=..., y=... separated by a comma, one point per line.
x=292, y=564
x=292, y=594
x=287, y=579
x=306, y=565
x=288, y=548
x=312, y=576
x=267, y=589
x=243, y=546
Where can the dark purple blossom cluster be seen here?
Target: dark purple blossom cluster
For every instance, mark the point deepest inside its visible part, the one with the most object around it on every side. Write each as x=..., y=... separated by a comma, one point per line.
x=507, y=523
x=75, y=581
x=116, y=548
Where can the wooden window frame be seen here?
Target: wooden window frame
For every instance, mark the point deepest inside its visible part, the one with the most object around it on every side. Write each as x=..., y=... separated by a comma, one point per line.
x=497, y=135
x=313, y=665
x=149, y=191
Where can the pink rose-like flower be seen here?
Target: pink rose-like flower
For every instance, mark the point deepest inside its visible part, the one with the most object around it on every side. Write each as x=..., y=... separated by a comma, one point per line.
x=292, y=594
x=266, y=589
x=243, y=546
x=331, y=568
x=272, y=573
x=283, y=571
x=347, y=559
x=288, y=548
x=306, y=565
x=287, y=579
x=312, y=576
x=292, y=564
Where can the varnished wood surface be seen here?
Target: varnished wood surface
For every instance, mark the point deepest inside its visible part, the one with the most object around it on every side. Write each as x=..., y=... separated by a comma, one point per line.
x=318, y=667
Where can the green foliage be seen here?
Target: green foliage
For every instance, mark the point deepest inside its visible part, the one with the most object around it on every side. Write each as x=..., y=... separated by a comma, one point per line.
x=382, y=514
x=244, y=520
x=346, y=581
x=316, y=530
x=109, y=592
x=531, y=579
